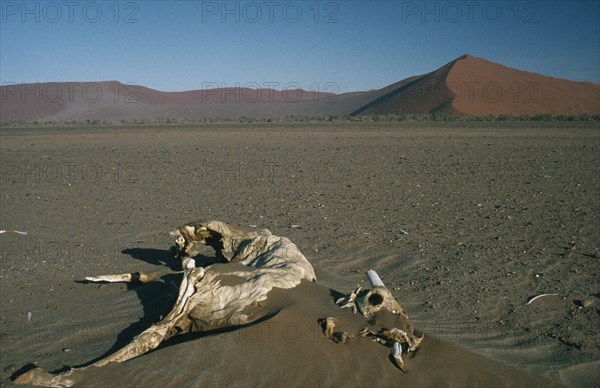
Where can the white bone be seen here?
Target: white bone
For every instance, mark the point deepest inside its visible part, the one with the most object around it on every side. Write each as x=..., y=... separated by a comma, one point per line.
x=122, y=278
x=2, y=231
x=539, y=296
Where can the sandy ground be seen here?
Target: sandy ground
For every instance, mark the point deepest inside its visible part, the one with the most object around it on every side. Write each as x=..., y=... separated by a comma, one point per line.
x=494, y=216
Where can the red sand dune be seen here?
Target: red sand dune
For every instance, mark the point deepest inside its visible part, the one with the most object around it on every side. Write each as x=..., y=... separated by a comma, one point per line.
x=219, y=95
x=113, y=100
x=465, y=86
x=497, y=89
x=474, y=86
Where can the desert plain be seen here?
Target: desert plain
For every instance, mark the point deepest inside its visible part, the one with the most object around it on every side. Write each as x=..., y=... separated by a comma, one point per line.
x=464, y=221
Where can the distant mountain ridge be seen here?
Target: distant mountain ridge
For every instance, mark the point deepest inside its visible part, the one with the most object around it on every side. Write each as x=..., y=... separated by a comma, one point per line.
x=465, y=86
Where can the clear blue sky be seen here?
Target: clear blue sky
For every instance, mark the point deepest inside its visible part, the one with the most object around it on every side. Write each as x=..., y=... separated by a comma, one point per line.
x=355, y=45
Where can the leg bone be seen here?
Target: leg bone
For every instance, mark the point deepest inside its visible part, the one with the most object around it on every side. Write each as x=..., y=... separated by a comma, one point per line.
x=134, y=277
x=143, y=343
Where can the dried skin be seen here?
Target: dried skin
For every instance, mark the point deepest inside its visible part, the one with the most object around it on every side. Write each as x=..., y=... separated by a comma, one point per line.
x=222, y=237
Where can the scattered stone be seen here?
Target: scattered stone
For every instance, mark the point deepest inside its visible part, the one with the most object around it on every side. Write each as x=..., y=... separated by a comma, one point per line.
x=584, y=303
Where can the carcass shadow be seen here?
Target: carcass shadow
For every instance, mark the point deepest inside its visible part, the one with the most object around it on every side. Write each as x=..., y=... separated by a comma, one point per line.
x=159, y=257
x=165, y=258
x=336, y=295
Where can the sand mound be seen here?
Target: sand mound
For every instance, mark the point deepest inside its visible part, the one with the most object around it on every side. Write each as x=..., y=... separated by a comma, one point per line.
x=287, y=348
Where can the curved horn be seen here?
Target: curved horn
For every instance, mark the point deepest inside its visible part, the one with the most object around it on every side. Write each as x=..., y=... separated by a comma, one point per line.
x=374, y=279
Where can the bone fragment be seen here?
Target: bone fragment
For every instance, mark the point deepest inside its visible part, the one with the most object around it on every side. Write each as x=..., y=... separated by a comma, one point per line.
x=341, y=336
x=349, y=301
x=539, y=296
x=328, y=325
x=2, y=231
x=123, y=278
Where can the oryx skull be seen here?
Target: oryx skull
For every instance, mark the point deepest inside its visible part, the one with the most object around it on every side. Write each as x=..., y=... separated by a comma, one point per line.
x=392, y=326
